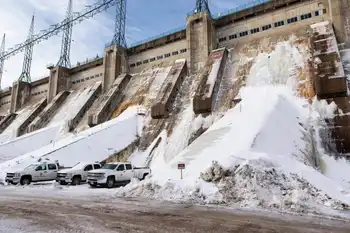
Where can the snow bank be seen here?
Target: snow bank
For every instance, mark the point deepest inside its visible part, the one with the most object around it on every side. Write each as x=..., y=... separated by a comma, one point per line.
x=260, y=154
x=27, y=143
x=94, y=144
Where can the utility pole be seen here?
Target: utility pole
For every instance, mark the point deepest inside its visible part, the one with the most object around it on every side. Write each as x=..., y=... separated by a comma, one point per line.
x=64, y=60
x=119, y=28
x=28, y=56
x=2, y=60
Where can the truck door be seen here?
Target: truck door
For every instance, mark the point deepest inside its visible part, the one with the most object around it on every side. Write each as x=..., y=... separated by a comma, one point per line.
x=120, y=174
x=52, y=171
x=40, y=172
x=85, y=172
x=129, y=171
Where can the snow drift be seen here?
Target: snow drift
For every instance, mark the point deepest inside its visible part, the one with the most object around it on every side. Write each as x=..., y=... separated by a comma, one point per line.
x=260, y=154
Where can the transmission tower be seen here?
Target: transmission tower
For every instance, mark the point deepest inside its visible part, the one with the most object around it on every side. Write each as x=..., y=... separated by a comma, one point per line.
x=64, y=60
x=2, y=61
x=28, y=55
x=119, y=29
x=202, y=5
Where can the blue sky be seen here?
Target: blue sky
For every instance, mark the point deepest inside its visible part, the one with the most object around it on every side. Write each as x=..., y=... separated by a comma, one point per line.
x=145, y=18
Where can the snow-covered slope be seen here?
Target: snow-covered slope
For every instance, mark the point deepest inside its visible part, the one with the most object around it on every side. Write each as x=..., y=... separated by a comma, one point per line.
x=27, y=143
x=260, y=154
x=94, y=144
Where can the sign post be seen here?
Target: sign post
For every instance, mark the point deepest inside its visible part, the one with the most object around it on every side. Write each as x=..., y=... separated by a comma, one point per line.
x=181, y=166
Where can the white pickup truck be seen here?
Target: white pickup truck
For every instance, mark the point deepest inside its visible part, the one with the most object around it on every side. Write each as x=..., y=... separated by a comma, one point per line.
x=76, y=174
x=41, y=171
x=113, y=173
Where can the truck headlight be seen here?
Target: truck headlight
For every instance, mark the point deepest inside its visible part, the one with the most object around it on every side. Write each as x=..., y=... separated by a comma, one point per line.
x=17, y=175
x=69, y=175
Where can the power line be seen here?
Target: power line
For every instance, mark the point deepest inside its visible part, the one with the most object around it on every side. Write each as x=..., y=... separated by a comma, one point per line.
x=64, y=60
x=77, y=17
x=28, y=56
x=2, y=61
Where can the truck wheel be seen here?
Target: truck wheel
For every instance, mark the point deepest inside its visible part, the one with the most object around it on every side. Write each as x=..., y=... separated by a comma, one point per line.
x=76, y=180
x=25, y=181
x=110, y=182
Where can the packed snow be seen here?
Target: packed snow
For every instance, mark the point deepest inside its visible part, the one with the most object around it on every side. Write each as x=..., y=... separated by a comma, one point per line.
x=94, y=144
x=260, y=154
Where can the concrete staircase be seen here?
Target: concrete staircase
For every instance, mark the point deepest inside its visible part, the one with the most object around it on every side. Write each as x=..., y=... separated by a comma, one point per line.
x=109, y=101
x=169, y=90
x=210, y=78
x=44, y=117
x=331, y=84
x=22, y=129
x=96, y=91
x=6, y=121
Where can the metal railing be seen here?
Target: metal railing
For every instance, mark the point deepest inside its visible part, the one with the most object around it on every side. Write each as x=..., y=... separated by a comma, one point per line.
x=88, y=60
x=215, y=16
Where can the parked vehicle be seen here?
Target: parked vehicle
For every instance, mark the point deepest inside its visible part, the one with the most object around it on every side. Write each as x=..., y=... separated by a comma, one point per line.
x=41, y=171
x=76, y=174
x=113, y=173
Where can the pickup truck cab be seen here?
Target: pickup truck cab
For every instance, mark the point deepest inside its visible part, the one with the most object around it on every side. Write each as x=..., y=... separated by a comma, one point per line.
x=113, y=173
x=76, y=174
x=42, y=171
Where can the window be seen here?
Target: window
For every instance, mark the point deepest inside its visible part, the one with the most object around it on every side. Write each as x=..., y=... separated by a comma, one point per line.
x=159, y=57
x=87, y=78
x=97, y=75
x=222, y=39
x=317, y=13
x=183, y=50
x=97, y=166
x=121, y=167
x=52, y=166
x=255, y=30
x=78, y=81
x=241, y=34
x=266, y=27
x=145, y=61
x=167, y=55
x=41, y=167
x=292, y=20
x=306, y=16
x=88, y=168
x=279, y=23
x=91, y=77
x=175, y=53
x=152, y=59
x=138, y=63
x=231, y=37
x=128, y=166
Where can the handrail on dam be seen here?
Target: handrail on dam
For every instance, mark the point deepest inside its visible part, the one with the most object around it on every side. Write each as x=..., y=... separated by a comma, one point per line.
x=215, y=16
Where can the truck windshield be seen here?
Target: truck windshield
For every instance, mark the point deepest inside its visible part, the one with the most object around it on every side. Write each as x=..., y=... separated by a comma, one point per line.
x=32, y=166
x=110, y=166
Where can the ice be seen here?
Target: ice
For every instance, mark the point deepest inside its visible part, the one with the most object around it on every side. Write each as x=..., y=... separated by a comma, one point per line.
x=259, y=154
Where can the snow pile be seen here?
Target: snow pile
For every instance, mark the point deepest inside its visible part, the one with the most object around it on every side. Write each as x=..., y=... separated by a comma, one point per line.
x=94, y=144
x=260, y=154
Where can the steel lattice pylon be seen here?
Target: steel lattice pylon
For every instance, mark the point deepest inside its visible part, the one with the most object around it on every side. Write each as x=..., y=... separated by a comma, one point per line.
x=64, y=60
x=119, y=30
x=28, y=56
x=202, y=5
x=2, y=61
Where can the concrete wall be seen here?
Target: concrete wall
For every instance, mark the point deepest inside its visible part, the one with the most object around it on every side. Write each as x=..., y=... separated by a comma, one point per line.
x=143, y=60
x=226, y=35
x=39, y=92
x=86, y=77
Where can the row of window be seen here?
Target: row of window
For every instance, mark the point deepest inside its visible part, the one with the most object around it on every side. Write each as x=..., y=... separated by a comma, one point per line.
x=87, y=78
x=38, y=93
x=158, y=58
x=269, y=26
x=4, y=103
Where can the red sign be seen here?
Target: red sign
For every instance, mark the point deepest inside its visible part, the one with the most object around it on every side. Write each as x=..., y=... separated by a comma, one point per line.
x=181, y=166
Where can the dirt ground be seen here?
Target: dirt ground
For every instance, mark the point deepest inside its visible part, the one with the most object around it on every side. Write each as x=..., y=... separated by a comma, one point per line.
x=29, y=213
